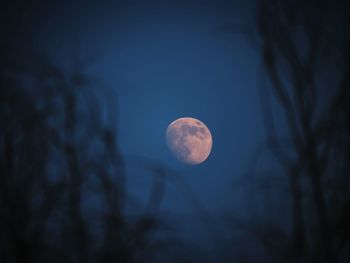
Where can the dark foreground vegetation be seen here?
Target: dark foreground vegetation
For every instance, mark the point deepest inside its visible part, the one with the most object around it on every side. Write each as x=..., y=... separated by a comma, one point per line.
x=305, y=95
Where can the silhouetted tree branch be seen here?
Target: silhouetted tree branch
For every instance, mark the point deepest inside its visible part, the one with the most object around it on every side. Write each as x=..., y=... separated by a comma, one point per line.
x=294, y=48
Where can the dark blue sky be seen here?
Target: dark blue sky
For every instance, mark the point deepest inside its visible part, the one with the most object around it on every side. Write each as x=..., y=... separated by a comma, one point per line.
x=165, y=61
x=173, y=61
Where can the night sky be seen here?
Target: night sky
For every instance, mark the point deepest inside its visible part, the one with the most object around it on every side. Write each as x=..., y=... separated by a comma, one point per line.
x=165, y=61
x=155, y=62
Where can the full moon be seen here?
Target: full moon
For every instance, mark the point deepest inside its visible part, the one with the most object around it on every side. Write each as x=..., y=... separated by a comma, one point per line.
x=189, y=140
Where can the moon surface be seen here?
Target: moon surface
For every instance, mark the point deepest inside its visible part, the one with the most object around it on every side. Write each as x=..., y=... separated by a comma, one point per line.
x=189, y=140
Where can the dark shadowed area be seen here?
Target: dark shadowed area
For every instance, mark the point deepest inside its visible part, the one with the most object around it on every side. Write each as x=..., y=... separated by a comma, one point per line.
x=88, y=89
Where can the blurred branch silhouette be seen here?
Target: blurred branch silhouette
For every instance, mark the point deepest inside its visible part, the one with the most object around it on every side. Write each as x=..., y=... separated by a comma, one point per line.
x=296, y=52
x=56, y=154
x=304, y=47
x=62, y=176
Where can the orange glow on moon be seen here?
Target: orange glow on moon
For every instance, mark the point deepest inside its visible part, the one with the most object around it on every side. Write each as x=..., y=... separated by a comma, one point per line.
x=189, y=140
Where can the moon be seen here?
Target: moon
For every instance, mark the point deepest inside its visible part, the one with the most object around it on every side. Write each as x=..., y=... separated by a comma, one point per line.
x=189, y=140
